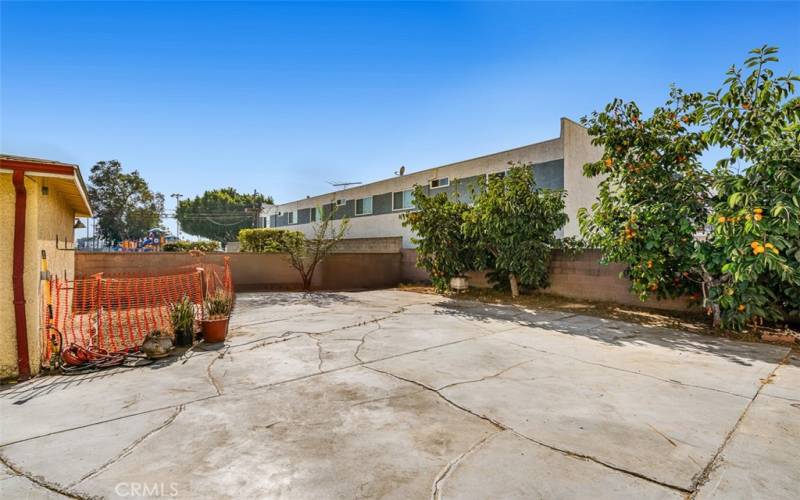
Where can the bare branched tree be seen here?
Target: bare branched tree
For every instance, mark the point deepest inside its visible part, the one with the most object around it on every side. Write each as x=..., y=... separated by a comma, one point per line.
x=307, y=253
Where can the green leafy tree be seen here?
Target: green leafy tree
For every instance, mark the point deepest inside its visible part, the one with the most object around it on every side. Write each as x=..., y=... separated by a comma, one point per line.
x=219, y=214
x=123, y=203
x=443, y=249
x=730, y=234
x=513, y=223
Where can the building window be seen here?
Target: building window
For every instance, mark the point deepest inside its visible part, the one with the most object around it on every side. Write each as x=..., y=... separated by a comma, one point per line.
x=364, y=206
x=289, y=217
x=440, y=183
x=403, y=200
x=340, y=203
x=316, y=214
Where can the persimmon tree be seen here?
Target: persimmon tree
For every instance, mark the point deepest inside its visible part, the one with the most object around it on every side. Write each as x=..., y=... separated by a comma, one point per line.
x=513, y=224
x=443, y=249
x=728, y=234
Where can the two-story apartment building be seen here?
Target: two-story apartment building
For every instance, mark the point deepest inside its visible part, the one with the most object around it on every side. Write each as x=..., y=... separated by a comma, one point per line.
x=374, y=209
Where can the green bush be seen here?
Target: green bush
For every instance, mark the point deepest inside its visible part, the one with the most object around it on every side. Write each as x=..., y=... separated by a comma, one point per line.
x=185, y=246
x=266, y=240
x=442, y=247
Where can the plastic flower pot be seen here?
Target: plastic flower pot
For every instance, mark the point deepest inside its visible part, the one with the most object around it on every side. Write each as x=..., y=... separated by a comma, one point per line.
x=459, y=283
x=214, y=330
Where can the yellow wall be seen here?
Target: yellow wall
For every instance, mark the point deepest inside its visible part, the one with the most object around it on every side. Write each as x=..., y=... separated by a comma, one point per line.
x=46, y=217
x=8, y=345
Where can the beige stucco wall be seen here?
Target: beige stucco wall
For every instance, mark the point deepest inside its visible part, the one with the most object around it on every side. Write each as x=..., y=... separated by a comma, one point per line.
x=46, y=217
x=581, y=191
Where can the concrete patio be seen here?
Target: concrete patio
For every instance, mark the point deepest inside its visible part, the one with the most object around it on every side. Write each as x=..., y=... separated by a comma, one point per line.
x=404, y=395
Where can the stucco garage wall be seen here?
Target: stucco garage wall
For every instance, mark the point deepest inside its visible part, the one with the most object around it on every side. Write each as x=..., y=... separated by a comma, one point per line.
x=8, y=336
x=45, y=218
x=8, y=343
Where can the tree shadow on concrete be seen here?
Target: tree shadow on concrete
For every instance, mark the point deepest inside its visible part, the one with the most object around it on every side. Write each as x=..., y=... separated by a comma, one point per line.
x=267, y=299
x=615, y=332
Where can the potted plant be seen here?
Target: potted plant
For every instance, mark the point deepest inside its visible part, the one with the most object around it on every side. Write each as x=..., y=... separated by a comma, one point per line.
x=459, y=283
x=218, y=311
x=181, y=315
x=157, y=344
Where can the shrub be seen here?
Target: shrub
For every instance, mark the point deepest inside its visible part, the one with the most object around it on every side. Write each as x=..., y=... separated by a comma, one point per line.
x=267, y=240
x=185, y=246
x=513, y=225
x=442, y=247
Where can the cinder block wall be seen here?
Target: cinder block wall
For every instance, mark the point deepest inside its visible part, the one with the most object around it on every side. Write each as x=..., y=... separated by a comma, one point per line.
x=580, y=276
x=251, y=271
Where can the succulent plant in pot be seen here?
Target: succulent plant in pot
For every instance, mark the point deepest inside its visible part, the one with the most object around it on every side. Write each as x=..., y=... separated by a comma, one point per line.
x=218, y=311
x=181, y=315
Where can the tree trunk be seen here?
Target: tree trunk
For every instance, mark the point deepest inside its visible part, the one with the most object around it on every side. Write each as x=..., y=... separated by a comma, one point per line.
x=717, y=322
x=512, y=278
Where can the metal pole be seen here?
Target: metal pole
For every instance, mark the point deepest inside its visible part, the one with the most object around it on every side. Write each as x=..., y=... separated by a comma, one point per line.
x=177, y=197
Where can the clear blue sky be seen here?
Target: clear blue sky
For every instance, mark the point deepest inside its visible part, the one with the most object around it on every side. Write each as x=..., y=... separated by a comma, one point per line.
x=284, y=97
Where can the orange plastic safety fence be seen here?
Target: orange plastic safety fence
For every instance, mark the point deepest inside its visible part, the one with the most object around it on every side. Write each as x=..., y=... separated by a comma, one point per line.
x=117, y=312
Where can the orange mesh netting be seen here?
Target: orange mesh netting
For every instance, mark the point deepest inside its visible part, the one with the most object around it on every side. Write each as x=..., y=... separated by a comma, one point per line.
x=116, y=312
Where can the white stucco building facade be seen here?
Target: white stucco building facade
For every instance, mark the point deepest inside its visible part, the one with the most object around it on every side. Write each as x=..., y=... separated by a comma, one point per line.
x=374, y=209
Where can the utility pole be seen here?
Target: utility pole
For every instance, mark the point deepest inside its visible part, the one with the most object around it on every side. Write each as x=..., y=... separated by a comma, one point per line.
x=177, y=197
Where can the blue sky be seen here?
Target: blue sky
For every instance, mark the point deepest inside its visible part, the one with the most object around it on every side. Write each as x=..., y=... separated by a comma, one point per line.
x=283, y=97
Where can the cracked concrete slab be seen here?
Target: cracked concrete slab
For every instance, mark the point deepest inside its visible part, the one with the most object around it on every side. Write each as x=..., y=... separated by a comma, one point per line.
x=734, y=367
x=83, y=400
x=524, y=470
x=404, y=395
x=786, y=382
x=595, y=411
x=762, y=459
x=70, y=456
x=353, y=433
x=20, y=488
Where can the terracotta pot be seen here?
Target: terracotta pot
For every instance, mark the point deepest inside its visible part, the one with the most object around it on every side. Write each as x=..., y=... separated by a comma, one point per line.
x=214, y=330
x=785, y=338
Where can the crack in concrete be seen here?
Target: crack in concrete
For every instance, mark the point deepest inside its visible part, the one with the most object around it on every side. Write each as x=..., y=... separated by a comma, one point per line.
x=113, y=419
x=501, y=426
x=498, y=374
x=436, y=489
x=317, y=340
x=701, y=478
x=129, y=449
x=41, y=482
x=214, y=382
x=363, y=340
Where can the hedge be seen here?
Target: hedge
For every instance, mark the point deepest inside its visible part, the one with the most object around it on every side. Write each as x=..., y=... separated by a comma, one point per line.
x=266, y=240
x=185, y=246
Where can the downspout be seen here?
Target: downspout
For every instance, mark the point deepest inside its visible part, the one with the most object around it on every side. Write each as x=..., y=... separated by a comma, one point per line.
x=18, y=273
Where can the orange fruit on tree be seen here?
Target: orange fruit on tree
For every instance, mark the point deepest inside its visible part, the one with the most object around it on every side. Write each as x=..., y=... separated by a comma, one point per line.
x=758, y=211
x=741, y=307
x=758, y=217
